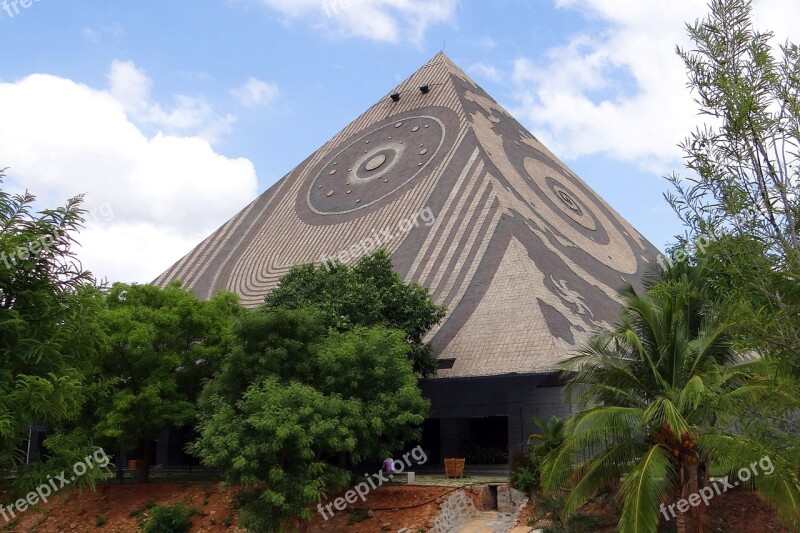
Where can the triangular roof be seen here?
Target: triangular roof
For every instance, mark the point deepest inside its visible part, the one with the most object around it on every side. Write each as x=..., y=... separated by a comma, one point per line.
x=526, y=257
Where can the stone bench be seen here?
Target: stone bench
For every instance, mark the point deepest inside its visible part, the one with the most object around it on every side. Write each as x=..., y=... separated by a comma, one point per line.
x=410, y=477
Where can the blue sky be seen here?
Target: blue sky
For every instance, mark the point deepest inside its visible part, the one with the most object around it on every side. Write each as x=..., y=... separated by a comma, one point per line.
x=173, y=115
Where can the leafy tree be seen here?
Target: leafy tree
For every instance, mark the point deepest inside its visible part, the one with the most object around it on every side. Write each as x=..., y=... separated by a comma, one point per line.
x=49, y=331
x=659, y=395
x=296, y=401
x=369, y=294
x=740, y=202
x=162, y=345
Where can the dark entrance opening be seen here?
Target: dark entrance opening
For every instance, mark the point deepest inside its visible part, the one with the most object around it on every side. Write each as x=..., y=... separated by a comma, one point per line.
x=432, y=440
x=487, y=440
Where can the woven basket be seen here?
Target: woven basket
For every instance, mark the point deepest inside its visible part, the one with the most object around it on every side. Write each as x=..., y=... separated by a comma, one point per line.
x=454, y=467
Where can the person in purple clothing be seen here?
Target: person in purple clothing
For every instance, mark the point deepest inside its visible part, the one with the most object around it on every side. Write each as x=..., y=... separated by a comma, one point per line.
x=388, y=465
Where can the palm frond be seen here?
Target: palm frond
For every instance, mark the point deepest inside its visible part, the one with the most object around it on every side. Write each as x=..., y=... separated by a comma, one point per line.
x=663, y=412
x=645, y=487
x=609, y=465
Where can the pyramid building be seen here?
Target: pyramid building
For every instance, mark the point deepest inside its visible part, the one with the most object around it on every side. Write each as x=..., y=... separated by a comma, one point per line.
x=524, y=255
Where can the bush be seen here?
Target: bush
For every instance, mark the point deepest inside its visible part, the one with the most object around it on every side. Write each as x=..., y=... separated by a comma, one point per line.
x=524, y=474
x=525, y=467
x=170, y=519
x=358, y=515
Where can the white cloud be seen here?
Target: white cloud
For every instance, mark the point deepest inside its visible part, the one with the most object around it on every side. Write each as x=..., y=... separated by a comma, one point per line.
x=255, y=93
x=100, y=33
x=150, y=198
x=622, y=91
x=487, y=43
x=192, y=115
x=382, y=20
x=483, y=70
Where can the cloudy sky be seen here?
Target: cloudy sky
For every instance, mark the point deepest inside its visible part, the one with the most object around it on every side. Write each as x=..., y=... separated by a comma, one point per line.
x=173, y=115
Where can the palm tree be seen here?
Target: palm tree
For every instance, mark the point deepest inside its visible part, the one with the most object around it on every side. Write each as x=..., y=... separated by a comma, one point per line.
x=657, y=392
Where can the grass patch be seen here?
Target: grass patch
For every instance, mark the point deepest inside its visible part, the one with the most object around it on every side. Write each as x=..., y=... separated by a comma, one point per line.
x=358, y=515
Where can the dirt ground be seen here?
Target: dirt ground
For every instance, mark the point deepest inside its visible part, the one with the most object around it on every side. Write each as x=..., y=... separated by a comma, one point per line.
x=118, y=508
x=729, y=512
x=399, y=506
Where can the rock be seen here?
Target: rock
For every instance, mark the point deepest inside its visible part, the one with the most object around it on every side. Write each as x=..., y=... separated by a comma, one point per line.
x=73, y=525
x=386, y=527
x=430, y=524
x=402, y=530
x=370, y=513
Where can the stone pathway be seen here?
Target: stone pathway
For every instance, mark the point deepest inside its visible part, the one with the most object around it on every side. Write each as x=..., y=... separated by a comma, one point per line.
x=488, y=522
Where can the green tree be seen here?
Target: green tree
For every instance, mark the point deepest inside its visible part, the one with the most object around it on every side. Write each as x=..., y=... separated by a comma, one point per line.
x=296, y=404
x=369, y=294
x=740, y=202
x=49, y=331
x=162, y=345
x=659, y=396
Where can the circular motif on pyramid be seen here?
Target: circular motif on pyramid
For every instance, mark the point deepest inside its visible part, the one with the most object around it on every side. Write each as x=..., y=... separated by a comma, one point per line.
x=579, y=215
x=569, y=203
x=376, y=164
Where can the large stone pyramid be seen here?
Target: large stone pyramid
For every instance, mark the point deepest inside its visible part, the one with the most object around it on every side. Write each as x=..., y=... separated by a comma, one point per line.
x=526, y=257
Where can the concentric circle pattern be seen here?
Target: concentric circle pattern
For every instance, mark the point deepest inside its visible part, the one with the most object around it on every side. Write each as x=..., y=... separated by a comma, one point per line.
x=569, y=203
x=375, y=165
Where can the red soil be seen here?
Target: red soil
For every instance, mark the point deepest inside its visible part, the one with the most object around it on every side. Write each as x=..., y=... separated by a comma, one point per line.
x=397, y=505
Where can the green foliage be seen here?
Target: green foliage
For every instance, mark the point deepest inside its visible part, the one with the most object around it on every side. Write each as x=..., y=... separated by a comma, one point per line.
x=526, y=470
x=742, y=189
x=65, y=451
x=577, y=523
x=323, y=377
x=659, y=396
x=49, y=331
x=369, y=294
x=170, y=519
x=162, y=344
x=524, y=474
x=358, y=515
x=295, y=403
x=100, y=521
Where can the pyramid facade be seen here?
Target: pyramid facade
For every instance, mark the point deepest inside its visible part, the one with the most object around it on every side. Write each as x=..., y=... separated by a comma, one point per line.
x=524, y=255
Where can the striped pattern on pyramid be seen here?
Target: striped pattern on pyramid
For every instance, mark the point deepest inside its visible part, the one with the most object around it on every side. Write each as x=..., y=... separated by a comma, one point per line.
x=525, y=256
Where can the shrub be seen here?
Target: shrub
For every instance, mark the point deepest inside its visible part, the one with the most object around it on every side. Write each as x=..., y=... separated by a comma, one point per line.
x=170, y=519
x=358, y=515
x=525, y=473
